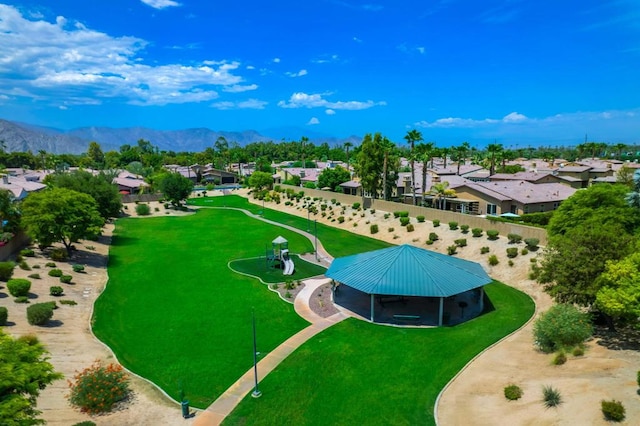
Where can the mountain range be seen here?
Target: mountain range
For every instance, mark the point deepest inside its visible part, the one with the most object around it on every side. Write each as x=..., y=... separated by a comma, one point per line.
x=23, y=137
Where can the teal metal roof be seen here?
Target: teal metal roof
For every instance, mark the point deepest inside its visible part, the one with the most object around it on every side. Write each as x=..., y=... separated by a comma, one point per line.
x=408, y=271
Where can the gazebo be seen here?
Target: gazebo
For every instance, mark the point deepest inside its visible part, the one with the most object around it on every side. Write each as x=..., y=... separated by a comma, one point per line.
x=406, y=270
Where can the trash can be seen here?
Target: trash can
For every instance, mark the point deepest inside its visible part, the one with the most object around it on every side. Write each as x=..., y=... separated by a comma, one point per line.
x=185, y=409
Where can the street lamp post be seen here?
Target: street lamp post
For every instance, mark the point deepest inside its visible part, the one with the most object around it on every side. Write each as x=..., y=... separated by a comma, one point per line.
x=315, y=233
x=256, y=392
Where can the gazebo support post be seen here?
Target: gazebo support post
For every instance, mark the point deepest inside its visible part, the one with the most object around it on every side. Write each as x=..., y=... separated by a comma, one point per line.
x=371, y=307
x=441, y=312
x=481, y=299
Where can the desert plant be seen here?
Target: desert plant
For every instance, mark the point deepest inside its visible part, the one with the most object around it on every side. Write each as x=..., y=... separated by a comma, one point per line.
x=476, y=232
x=512, y=252
x=404, y=221
x=27, y=252
x=24, y=266
x=39, y=313
x=433, y=236
x=391, y=229
x=356, y=206
x=510, y=263
x=85, y=423
x=493, y=260
x=18, y=287
x=410, y=227
x=492, y=234
x=512, y=392
x=420, y=218
x=386, y=216
x=341, y=219
x=50, y=264
x=461, y=242
x=436, y=223
x=453, y=225
x=55, y=272
x=524, y=252
x=34, y=276
x=514, y=238
x=396, y=214
x=373, y=229
x=638, y=377
x=464, y=229
x=78, y=268
x=97, y=388
x=551, y=397
x=59, y=254
x=21, y=299
x=68, y=302
x=6, y=270
x=563, y=326
x=451, y=250
x=560, y=358
x=56, y=290
x=532, y=243
x=4, y=315
x=429, y=242
x=143, y=209
x=484, y=250
x=578, y=351
x=66, y=279
x=613, y=410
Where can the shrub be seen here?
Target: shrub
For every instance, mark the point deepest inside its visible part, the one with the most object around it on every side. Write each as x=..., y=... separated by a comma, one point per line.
x=404, y=221
x=78, y=268
x=56, y=290
x=476, y=232
x=66, y=279
x=512, y=392
x=524, y=252
x=27, y=252
x=551, y=397
x=436, y=223
x=97, y=388
x=532, y=243
x=36, y=266
x=39, y=313
x=396, y=214
x=429, y=242
x=387, y=216
x=510, y=262
x=433, y=236
x=560, y=358
x=356, y=206
x=68, y=302
x=34, y=276
x=514, y=238
x=143, y=209
x=493, y=260
x=4, y=314
x=341, y=219
x=372, y=211
x=484, y=250
x=461, y=242
x=420, y=219
x=22, y=299
x=562, y=326
x=85, y=423
x=410, y=227
x=613, y=410
x=59, y=254
x=391, y=229
x=50, y=265
x=453, y=225
x=512, y=252
x=6, y=270
x=373, y=229
x=55, y=272
x=464, y=229
x=19, y=287
x=638, y=377
x=403, y=214
x=492, y=234
x=23, y=265
x=451, y=250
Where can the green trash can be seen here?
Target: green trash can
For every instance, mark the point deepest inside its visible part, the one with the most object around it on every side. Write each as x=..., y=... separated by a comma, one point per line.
x=185, y=409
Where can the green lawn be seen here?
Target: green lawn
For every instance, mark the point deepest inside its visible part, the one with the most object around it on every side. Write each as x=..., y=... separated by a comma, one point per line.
x=175, y=313
x=356, y=373
x=258, y=268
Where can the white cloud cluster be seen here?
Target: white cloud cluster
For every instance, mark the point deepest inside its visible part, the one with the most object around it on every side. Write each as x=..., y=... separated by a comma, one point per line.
x=313, y=121
x=297, y=74
x=304, y=100
x=160, y=4
x=248, y=104
x=76, y=65
x=512, y=117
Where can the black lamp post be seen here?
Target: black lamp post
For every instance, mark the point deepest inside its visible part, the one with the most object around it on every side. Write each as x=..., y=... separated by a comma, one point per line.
x=256, y=392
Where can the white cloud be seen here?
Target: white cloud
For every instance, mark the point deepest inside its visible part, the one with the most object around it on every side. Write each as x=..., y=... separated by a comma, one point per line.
x=357, y=40
x=297, y=74
x=160, y=4
x=313, y=120
x=46, y=61
x=303, y=100
x=276, y=60
x=250, y=67
x=326, y=59
x=330, y=112
x=514, y=117
x=510, y=118
x=248, y=104
x=238, y=88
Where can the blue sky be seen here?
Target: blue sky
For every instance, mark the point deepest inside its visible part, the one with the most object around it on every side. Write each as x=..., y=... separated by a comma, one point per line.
x=517, y=72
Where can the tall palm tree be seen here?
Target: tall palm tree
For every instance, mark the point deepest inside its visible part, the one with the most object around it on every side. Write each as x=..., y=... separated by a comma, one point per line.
x=412, y=137
x=461, y=152
x=347, y=145
x=444, y=152
x=425, y=153
x=441, y=191
x=619, y=147
x=493, y=151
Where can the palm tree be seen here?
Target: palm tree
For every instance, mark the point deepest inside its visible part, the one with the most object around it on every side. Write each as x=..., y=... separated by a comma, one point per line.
x=441, y=191
x=461, y=152
x=425, y=152
x=619, y=147
x=493, y=150
x=387, y=148
x=412, y=137
x=347, y=145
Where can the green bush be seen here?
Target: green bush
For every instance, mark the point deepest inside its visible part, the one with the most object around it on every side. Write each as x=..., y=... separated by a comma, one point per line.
x=560, y=358
x=578, y=351
x=68, y=302
x=34, y=276
x=21, y=299
x=404, y=221
x=492, y=234
x=341, y=219
x=512, y=252
x=551, y=397
x=464, y=229
x=391, y=229
x=78, y=268
x=24, y=266
x=403, y=214
x=512, y=392
x=493, y=260
x=59, y=254
x=476, y=232
x=453, y=225
x=532, y=243
x=373, y=229
x=66, y=279
x=55, y=272
x=510, y=262
x=97, y=388
x=56, y=290
x=514, y=238
x=613, y=410
x=420, y=219
x=524, y=252
x=410, y=227
x=18, y=287
x=387, y=216
x=4, y=314
x=396, y=214
x=638, y=377
x=39, y=313
x=355, y=206
x=436, y=223
x=433, y=236
x=6, y=270
x=451, y=250
x=27, y=252
x=85, y=423
x=461, y=242
x=429, y=242
x=563, y=326
x=484, y=250
x=50, y=265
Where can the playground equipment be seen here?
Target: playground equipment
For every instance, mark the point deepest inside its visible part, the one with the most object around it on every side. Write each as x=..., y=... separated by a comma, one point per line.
x=279, y=257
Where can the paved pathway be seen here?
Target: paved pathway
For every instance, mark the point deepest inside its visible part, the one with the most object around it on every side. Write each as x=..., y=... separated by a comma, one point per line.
x=222, y=407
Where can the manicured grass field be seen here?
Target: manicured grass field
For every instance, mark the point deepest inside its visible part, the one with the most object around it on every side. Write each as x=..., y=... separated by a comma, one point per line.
x=356, y=373
x=258, y=268
x=174, y=312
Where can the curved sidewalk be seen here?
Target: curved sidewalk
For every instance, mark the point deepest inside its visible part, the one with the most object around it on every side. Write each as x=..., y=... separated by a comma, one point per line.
x=222, y=407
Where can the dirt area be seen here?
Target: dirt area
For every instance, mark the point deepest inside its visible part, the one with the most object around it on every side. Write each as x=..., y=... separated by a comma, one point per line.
x=474, y=397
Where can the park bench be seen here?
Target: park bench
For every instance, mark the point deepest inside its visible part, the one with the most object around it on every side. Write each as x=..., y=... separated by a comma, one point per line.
x=401, y=317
